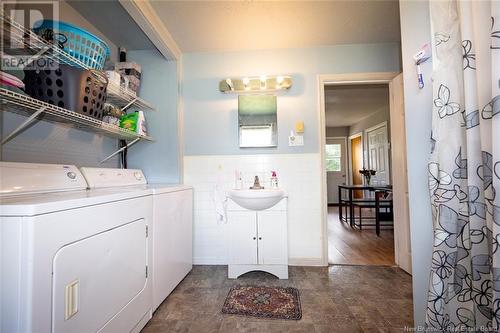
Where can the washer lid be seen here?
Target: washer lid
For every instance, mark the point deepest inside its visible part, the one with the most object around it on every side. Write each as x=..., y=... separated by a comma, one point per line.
x=160, y=188
x=110, y=177
x=25, y=178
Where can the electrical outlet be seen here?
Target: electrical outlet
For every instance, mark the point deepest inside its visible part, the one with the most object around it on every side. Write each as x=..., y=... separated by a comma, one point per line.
x=295, y=141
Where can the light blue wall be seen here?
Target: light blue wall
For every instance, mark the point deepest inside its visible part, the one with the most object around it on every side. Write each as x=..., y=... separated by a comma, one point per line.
x=159, y=159
x=54, y=143
x=46, y=142
x=210, y=117
x=415, y=31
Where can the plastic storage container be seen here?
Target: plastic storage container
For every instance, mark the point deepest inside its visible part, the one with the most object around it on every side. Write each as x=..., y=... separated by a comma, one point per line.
x=131, y=73
x=79, y=90
x=75, y=41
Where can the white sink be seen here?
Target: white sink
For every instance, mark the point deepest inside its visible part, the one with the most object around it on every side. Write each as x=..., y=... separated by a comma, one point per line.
x=256, y=199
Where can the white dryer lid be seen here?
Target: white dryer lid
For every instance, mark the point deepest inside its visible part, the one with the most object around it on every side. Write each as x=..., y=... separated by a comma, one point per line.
x=26, y=178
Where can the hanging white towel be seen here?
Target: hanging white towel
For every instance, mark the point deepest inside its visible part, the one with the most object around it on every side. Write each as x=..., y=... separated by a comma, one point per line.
x=219, y=198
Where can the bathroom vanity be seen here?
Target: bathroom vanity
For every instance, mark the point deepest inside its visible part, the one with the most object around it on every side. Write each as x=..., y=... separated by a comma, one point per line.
x=258, y=237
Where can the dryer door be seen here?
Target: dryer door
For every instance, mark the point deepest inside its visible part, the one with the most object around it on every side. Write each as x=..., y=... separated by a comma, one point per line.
x=96, y=277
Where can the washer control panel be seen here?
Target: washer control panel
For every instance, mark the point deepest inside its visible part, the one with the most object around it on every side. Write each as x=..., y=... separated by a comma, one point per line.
x=71, y=175
x=111, y=177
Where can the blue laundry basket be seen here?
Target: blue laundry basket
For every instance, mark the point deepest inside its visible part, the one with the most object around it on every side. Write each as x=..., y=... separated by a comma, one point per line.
x=75, y=41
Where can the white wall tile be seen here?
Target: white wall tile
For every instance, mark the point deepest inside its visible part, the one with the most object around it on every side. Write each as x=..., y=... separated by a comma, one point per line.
x=298, y=174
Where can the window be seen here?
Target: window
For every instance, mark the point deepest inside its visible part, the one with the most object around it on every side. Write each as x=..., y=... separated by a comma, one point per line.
x=333, y=157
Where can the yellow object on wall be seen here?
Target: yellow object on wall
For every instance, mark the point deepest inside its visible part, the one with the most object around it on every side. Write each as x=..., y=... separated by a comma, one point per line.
x=299, y=127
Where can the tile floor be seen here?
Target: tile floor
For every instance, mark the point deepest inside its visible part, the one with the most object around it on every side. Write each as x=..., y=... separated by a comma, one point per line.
x=346, y=299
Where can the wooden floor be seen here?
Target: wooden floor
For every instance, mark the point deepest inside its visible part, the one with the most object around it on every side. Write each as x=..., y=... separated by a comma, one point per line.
x=348, y=246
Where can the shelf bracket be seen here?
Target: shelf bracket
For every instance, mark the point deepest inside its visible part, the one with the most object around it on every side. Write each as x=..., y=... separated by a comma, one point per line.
x=36, y=56
x=121, y=149
x=25, y=123
x=129, y=104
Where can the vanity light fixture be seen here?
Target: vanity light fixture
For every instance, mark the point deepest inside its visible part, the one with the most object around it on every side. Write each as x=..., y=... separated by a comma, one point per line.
x=257, y=84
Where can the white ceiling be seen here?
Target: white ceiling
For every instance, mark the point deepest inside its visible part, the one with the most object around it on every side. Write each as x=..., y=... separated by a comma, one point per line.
x=206, y=26
x=346, y=105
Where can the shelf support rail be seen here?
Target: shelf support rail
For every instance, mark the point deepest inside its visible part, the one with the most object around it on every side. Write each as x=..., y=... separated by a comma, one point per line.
x=129, y=104
x=25, y=123
x=121, y=149
x=36, y=56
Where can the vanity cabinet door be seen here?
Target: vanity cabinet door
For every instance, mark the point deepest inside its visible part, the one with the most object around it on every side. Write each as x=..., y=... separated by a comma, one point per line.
x=243, y=237
x=272, y=237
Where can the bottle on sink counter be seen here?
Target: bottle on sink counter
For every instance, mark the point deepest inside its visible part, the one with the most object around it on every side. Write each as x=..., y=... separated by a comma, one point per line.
x=274, y=180
x=238, y=180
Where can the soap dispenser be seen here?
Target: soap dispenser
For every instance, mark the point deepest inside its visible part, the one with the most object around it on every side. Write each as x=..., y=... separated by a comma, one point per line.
x=238, y=180
x=274, y=180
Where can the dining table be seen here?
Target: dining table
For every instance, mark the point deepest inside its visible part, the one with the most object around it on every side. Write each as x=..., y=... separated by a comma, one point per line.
x=348, y=202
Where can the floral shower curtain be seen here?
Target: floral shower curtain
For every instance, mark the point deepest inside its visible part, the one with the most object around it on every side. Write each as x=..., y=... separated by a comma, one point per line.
x=464, y=169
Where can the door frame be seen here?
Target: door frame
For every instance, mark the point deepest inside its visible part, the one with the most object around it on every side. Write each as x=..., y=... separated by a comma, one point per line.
x=382, y=124
x=339, y=79
x=349, y=153
x=387, y=132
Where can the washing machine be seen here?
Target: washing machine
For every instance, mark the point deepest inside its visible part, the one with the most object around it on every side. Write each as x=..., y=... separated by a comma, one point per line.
x=72, y=260
x=172, y=227
x=172, y=237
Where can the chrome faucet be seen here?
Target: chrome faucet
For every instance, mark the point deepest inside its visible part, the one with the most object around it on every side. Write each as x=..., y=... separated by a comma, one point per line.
x=256, y=184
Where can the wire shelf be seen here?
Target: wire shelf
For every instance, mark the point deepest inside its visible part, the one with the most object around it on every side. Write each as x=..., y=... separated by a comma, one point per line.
x=29, y=43
x=125, y=99
x=26, y=42
x=21, y=104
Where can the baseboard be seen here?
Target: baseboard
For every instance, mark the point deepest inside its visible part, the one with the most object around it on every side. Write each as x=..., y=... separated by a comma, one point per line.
x=306, y=262
x=403, y=260
x=291, y=261
x=209, y=261
x=333, y=204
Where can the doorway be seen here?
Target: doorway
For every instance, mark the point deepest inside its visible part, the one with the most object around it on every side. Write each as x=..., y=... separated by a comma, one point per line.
x=376, y=155
x=356, y=162
x=336, y=167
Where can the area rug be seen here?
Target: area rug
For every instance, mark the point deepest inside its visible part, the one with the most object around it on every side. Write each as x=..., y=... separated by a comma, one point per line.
x=264, y=302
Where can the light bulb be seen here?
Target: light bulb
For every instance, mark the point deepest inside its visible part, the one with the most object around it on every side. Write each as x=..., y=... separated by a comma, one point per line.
x=279, y=81
x=263, y=81
x=230, y=83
